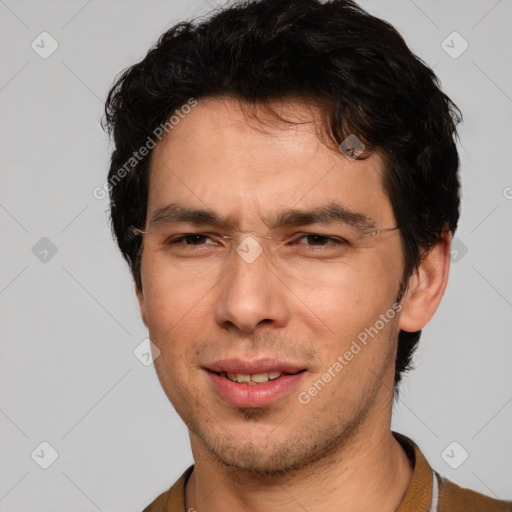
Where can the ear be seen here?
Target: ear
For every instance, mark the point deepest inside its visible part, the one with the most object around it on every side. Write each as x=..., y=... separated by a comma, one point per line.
x=139, y=292
x=426, y=286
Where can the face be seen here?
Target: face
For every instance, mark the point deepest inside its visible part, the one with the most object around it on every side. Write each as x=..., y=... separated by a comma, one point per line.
x=271, y=279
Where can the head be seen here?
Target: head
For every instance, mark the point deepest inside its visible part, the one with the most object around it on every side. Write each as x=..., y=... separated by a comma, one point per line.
x=242, y=116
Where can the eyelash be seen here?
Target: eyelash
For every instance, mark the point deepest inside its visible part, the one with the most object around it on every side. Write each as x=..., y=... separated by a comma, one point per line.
x=336, y=240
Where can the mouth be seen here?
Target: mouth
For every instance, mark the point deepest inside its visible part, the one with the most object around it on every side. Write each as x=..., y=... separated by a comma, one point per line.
x=256, y=378
x=253, y=384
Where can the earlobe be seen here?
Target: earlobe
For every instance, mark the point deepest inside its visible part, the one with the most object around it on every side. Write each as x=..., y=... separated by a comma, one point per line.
x=426, y=287
x=139, y=292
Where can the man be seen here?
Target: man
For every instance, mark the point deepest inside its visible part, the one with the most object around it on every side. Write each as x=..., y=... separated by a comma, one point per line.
x=285, y=187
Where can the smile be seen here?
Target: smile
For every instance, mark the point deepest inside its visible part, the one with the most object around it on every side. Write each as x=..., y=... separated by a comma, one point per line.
x=254, y=379
x=254, y=390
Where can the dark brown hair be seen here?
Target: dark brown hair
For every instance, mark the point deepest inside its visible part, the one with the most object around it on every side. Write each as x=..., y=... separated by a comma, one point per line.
x=356, y=67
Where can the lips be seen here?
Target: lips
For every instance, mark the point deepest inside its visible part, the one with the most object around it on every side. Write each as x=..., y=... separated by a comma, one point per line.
x=253, y=383
x=253, y=367
x=255, y=378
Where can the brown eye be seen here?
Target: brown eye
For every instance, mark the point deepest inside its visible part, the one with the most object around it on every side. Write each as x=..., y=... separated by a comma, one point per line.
x=195, y=239
x=320, y=240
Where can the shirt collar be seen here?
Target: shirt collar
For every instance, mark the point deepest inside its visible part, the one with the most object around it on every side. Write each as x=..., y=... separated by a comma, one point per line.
x=417, y=497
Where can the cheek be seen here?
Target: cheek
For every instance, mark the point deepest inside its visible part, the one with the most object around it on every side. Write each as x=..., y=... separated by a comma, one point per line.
x=176, y=312
x=175, y=303
x=344, y=317
x=345, y=297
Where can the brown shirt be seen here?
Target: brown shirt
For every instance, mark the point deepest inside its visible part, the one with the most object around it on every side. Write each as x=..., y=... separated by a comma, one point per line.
x=423, y=494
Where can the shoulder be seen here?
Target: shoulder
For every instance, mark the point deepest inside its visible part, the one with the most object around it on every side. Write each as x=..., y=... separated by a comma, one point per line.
x=453, y=498
x=430, y=491
x=172, y=500
x=159, y=504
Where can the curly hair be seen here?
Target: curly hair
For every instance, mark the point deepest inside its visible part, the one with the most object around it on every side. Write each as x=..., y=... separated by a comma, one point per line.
x=355, y=67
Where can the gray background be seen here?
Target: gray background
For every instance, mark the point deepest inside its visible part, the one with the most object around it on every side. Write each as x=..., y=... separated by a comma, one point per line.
x=69, y=320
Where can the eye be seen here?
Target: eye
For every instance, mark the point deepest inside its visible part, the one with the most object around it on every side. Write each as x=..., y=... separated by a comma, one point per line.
x=316, y=240
x=190, y=239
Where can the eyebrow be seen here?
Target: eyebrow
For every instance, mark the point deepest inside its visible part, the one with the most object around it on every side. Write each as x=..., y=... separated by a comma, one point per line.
x=331, y=213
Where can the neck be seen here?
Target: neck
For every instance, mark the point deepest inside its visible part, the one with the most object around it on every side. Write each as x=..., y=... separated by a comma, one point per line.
x=370, y=472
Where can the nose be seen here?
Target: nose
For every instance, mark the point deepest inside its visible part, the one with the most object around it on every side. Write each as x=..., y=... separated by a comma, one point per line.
x=251, y=293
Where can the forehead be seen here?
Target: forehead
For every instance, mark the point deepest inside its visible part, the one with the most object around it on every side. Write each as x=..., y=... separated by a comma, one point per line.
x=227, y=155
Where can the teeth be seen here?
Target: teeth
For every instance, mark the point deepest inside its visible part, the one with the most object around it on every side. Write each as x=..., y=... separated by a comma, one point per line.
x=257, y=378
x=260, y=377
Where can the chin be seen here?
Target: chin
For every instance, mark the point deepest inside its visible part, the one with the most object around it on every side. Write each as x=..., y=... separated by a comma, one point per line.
x=292, y=452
